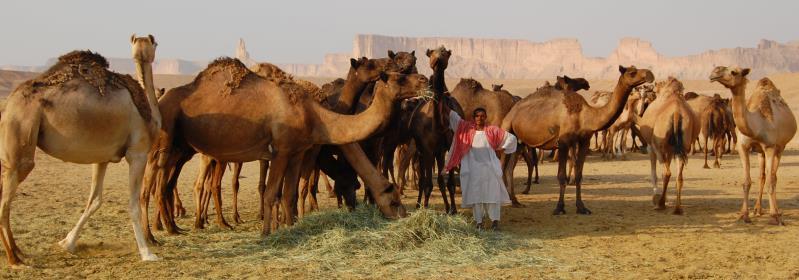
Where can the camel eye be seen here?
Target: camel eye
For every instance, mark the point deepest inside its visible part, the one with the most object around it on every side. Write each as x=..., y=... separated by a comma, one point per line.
x=734, y=73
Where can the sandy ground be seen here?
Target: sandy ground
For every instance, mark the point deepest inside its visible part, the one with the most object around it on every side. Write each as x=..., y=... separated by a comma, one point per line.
x=623, y=238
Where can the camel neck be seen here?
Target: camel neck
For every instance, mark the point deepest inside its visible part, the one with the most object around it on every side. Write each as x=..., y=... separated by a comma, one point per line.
x=602, y=117
x=740, y=112
x=437, y=80
x=335, y=128
x=144, y=73
x=349, y=94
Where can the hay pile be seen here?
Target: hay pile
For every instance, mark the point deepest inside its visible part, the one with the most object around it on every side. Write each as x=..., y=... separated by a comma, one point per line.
x=340, y=243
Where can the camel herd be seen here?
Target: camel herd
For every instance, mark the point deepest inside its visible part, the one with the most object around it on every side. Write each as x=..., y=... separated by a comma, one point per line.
x=379, y=125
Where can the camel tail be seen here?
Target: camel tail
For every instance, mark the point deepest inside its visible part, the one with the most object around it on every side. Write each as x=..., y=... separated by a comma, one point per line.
x=676, y=136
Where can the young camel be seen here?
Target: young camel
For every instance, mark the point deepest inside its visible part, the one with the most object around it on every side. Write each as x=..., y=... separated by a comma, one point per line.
x=765, y=124
x=79, y=111
x=669, y=127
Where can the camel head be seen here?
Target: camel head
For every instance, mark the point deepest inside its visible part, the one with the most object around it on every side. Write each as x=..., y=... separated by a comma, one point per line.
x=633, y=77
x=403, y=62
x=439, y=57
x=365, y=70
x=497, y=87
x=566, y=83
x=401, y=86
x=143, y=48
x=729, y=76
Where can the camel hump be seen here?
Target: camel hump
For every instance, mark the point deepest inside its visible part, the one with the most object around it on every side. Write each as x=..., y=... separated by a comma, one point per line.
x=470, y=83
x=86, y=65
x=236, y=70
x=767, y=95
x=573, y=102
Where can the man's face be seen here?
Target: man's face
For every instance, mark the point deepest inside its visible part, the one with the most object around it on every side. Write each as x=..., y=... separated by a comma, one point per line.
x=480, y=118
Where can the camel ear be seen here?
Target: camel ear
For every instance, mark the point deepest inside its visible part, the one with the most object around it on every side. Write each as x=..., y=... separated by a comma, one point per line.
x=152, y=40
x=449, y=52
x=353, y=63
x=429, y=52
x=745, y=72
x=391, y=54
x=384, y=77
x=501, y=85
x=622, y=69
x=413, y=53
x=132, y=38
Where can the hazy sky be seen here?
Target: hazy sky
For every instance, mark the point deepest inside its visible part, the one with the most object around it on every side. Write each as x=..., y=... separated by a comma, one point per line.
x=296, y=31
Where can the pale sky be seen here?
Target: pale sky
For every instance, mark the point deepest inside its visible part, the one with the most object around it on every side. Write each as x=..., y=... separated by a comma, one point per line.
x=303, y=31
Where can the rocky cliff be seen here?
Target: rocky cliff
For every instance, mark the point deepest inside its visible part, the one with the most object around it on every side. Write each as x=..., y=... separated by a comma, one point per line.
x=521, y=59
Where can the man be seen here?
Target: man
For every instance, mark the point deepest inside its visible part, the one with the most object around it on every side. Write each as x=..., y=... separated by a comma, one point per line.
x=474, y=147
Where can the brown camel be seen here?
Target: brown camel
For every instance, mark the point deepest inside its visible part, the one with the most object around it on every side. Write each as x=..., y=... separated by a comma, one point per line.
x=79, y=111
x=620, y=127
x=226, y=101
x=669, y=127
x=766, y=124
x=564, y=120
x=711, y=112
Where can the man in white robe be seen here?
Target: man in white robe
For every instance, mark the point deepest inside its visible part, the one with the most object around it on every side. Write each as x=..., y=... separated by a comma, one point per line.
x=474, y=147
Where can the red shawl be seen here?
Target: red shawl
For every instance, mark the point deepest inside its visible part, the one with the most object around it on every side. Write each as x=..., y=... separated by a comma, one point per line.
x=463, y=141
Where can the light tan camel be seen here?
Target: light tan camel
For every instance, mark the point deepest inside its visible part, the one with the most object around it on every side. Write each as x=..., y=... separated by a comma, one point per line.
x=711, y=113
x=765, y=124
x=621, y=126
x=275, y=120
x=79, y=111
x=564, y=120
x=669, y=127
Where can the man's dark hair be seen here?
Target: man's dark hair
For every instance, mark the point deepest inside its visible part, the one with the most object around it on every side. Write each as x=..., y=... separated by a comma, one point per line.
x=479, y=109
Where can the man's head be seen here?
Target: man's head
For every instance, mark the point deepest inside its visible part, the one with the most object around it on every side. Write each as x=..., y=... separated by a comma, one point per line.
x=479, y=115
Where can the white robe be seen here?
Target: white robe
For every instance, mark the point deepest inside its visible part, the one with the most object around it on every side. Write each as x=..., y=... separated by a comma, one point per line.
x=481, y=173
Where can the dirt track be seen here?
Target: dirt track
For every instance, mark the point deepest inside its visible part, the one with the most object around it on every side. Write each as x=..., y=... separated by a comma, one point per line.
x=624, y=237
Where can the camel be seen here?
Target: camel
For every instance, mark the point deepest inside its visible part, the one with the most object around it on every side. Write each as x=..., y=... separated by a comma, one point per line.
x=765, y=124
x=620, y=127
x=669, y=127
x=564, y=120
x=227, y=101
x=115, y=118
x=712, y=114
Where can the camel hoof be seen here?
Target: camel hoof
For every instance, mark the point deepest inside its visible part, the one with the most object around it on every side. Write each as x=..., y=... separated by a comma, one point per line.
x=584, y=211
x=744, y=217
x=655, y=199
x=518, y=205
x=559, y=211
x=706, y=167
x=64, y=243
x=659, y=207
x=677, y=211
x=776, y=220
x=150, y=258
x=526, y=192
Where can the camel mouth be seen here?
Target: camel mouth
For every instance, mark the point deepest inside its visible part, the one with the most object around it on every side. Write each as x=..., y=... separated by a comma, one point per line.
x=715, y=78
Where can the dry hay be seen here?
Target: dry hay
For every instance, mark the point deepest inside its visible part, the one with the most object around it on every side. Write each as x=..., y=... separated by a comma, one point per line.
x=93, y=69
x=233, y=66
x=363, y=244
x=298, y=92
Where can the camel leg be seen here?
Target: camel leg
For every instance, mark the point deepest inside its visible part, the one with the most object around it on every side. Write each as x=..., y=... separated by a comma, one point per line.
x=326, y=182
x=653, y=174
x=235, y=185
x=180, y=211
x=304, y=190
x=137, y=161
x=13, y=175
x=314, y=190
x=718, y=147
x=289, y=198
x=572, y=153
x=216, y=190
x=150, y=186
x=706, y=152
x=278, y=168
x=509, y=164
x=666, y=177
x=582, y=151
x=762, y=166
x=528, y=160
x=535, y=156
x=198, y=188
x=171, y=186
x=95, y=200
x=208, y=186
x=562, y=158
x=451, y=190
x=427, y=177
x=264, y=168
x=678, y=204
x=440, y=180
x=773, y=155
